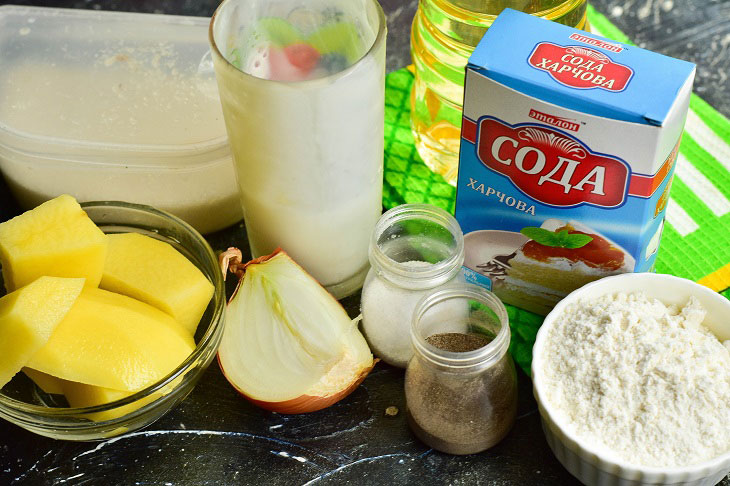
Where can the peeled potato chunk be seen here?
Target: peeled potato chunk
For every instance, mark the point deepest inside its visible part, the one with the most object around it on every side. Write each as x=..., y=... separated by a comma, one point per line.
x=56, y=239
x=114, y=341
x=28, y=318
x=80, y=395
x=49, y=384
x=154, y=272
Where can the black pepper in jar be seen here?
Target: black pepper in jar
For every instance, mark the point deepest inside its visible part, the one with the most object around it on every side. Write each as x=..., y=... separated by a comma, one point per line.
x=456, y=342
x=461, y=387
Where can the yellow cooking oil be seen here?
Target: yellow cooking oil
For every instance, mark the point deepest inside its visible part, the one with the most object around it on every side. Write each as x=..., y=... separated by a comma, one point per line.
x=443, y=36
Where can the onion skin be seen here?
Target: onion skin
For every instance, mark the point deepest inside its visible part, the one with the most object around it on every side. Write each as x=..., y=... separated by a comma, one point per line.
x=231, y=260
x=304, y=403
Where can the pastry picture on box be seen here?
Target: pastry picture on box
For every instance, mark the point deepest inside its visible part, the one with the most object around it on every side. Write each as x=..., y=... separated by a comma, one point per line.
x=547, y=263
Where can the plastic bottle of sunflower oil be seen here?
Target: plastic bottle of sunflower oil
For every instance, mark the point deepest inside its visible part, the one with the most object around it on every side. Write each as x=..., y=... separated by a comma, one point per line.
x=444, y=34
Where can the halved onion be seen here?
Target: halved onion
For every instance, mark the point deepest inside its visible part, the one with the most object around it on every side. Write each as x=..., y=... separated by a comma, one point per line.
x=288, y=345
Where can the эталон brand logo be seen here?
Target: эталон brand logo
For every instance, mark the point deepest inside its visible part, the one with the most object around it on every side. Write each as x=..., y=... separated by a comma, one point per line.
x=609, y=46
x=556, y=121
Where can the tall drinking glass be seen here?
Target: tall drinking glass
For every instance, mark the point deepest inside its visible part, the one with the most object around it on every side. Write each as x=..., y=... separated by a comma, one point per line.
x=302, y=89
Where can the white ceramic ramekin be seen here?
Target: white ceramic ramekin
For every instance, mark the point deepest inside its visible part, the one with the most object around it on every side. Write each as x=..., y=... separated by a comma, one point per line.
x=583, y=459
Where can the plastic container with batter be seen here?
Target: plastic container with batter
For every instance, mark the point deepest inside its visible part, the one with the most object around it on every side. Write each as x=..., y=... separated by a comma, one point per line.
x=114, y=106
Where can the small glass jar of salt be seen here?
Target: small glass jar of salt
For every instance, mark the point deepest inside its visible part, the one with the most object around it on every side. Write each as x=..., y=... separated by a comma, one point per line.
x=415, y=249
x=461, y=384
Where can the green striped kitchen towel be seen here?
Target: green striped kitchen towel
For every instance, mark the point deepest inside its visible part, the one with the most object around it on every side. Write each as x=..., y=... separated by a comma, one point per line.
x=696, y=239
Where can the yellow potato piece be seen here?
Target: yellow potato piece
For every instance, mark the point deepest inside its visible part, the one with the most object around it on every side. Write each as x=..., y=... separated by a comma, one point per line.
x=154, y=272
x=49, y=384
x=80, y=395
x=28, y=318
x=56, y=239
x=113, y=341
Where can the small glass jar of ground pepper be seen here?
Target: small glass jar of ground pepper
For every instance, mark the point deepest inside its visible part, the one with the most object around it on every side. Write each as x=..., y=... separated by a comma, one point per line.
x=461, y=384
x=415, y=249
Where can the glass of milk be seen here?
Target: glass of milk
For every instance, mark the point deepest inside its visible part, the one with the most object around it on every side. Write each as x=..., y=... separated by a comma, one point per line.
x=302, y=89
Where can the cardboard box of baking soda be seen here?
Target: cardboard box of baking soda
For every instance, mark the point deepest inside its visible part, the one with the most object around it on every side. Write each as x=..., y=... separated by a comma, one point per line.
x=568, y=148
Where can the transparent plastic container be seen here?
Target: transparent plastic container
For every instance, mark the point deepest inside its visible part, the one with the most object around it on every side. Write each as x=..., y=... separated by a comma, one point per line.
x=114, y=106
x=443, y=36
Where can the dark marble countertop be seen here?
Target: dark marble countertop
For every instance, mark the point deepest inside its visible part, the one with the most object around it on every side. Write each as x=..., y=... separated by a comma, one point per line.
x=216, y=437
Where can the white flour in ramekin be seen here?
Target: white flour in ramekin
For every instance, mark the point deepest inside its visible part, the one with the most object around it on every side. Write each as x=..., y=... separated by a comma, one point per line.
x=644, y=382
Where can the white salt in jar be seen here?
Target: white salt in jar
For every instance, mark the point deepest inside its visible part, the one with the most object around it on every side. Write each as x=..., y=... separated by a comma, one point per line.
x=415, y=249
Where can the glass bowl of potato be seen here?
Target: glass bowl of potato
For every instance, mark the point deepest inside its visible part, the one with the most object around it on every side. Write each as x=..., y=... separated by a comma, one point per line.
x=112, y=312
